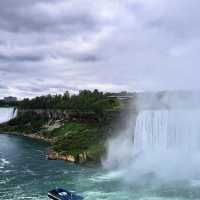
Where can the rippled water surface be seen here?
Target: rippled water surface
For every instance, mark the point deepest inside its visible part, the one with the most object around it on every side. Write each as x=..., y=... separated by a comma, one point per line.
x=25, y=174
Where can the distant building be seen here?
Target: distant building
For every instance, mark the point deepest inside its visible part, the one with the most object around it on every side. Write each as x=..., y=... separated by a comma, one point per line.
x=10, y=99
x=123, y=95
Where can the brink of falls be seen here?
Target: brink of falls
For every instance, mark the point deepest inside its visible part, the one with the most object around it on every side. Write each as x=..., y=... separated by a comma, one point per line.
x=162, y=143
x=7, y=114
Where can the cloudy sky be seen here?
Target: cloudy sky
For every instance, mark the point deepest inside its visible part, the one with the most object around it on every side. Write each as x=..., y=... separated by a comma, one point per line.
x=113, y=45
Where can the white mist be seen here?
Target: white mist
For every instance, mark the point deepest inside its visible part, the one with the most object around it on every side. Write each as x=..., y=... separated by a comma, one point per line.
x=163, y=144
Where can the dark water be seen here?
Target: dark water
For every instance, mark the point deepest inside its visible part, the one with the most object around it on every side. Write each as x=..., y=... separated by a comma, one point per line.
x=25, y=174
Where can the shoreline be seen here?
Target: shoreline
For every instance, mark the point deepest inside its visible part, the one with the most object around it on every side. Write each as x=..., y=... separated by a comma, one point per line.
x=31, y=136
x=81, y=158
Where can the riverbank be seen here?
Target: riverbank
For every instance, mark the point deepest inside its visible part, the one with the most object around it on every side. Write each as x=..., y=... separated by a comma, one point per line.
x=52, y=154
x=74, y=141
x=31, y=136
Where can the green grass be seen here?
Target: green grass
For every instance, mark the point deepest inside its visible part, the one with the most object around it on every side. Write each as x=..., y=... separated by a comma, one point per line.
x=74, y=138
x=95, y=152
x=71, y=128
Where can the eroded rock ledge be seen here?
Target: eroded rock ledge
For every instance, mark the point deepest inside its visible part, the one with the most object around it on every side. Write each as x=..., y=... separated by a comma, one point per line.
x=79, y=158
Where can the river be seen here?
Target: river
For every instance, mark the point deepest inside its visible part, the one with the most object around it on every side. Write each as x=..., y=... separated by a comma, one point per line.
x=26, y=174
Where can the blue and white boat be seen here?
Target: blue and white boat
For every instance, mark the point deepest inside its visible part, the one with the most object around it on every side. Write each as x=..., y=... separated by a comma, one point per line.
x=61, y=194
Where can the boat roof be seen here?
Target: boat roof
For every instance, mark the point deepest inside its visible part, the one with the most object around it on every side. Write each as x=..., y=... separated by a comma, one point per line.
x=62, y=194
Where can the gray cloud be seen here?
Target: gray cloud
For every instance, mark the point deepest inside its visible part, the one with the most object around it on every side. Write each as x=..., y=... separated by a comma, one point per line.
x=3, y=87
x=21, y=58
x=53, y=46
x=39, y=16
x=87, y=58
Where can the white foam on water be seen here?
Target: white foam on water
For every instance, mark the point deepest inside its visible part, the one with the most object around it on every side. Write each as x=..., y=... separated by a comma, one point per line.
x=99, y=195
x=113, y=175
x=2, y=182
x=6, y=171
x=3, y=163
x=195, y=183
x=29, y=171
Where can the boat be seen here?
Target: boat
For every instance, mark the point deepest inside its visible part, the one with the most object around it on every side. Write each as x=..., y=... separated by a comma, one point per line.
x=61, y=194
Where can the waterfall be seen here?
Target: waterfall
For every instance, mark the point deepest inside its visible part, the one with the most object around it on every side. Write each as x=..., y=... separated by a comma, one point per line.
x=165, y=143
x=7, y=114
x=167, y=130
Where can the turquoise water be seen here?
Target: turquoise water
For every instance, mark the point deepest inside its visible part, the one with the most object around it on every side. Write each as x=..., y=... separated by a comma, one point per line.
x=25, y=174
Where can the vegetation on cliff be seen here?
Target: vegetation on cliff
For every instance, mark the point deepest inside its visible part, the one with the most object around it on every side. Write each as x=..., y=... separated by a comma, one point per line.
x=29, y=122
x=74, y=138
x=88, y=125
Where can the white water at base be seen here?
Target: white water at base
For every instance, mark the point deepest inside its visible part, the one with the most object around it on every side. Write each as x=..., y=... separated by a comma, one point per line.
x=164, y=144
x=7, y=114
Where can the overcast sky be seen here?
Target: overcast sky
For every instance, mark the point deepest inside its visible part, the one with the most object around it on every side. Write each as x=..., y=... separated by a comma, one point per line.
x=136, y=45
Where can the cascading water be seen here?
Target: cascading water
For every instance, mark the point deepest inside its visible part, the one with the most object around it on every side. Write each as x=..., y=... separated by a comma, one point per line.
x=7, y=114
x=162, y=143
x=167, y=130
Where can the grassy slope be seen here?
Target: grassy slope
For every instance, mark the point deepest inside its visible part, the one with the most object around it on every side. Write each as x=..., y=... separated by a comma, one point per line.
x=74, y=138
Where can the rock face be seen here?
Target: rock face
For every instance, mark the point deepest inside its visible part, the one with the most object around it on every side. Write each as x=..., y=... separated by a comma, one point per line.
x=80, y=158
x=61, y=115
x=50, y=114
x=52, y=125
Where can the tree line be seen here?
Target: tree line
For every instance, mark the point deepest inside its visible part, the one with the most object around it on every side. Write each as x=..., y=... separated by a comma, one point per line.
x=84, y=101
